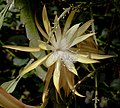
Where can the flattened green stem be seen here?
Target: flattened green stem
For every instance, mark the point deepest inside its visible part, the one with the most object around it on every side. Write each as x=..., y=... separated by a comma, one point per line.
x=96, y=92
x=93, y=26
x=13, y=55
x=87, y=76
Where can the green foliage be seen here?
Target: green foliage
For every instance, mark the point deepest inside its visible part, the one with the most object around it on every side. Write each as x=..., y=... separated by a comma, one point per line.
x=115, y=84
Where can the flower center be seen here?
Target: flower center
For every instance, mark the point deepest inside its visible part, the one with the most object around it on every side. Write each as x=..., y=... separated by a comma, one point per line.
x=65, y=55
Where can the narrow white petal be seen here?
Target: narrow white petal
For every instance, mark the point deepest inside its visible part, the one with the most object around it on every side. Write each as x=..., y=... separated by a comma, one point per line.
x=51, y=59
x=84, y=27
x=98, y=56
x=70, y=33
x=33, y=65
x=57, y=30
x=39, y=28
x=83, y=58
x=46, y=20
x=71, y=86
x=22, y=48
x=70, y=66
x=68, y=22
x=81, y=38
x=56, y=75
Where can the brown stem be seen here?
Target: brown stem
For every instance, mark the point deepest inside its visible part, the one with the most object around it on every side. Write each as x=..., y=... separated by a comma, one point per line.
x=8, y=101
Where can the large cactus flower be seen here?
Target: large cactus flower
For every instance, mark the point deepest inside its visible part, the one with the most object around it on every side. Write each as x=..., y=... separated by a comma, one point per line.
x=62, y=52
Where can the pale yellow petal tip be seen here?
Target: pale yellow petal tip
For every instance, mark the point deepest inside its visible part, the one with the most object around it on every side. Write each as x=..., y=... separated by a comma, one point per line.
x=5, y=46
x=78, y=94
x=110, y=56
x=43, y=97
x=22, y=48
x=44, y=100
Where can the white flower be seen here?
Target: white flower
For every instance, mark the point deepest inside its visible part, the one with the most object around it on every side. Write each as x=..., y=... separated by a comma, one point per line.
x=63, y=52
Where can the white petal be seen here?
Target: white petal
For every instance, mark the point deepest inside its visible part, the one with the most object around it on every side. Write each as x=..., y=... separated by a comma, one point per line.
x=51, y=59
x=84, y=27
x=70, y=66
x=83, y=59
x=71, y=86
x=56, y=75
x=68, y=21
x=71, y=31
x=81, y=38
x=46, y=20
x=40, y=29
x=22, y=48
x=57, y=30
x=33, y=65
x=98, y=56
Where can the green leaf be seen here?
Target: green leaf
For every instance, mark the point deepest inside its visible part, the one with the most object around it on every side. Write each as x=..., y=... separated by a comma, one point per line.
x=3, y=12
x=1, y=20
x=27, y=18
x=19, y=62
x=10, y=85
x=40, y=72
x=115, y=84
